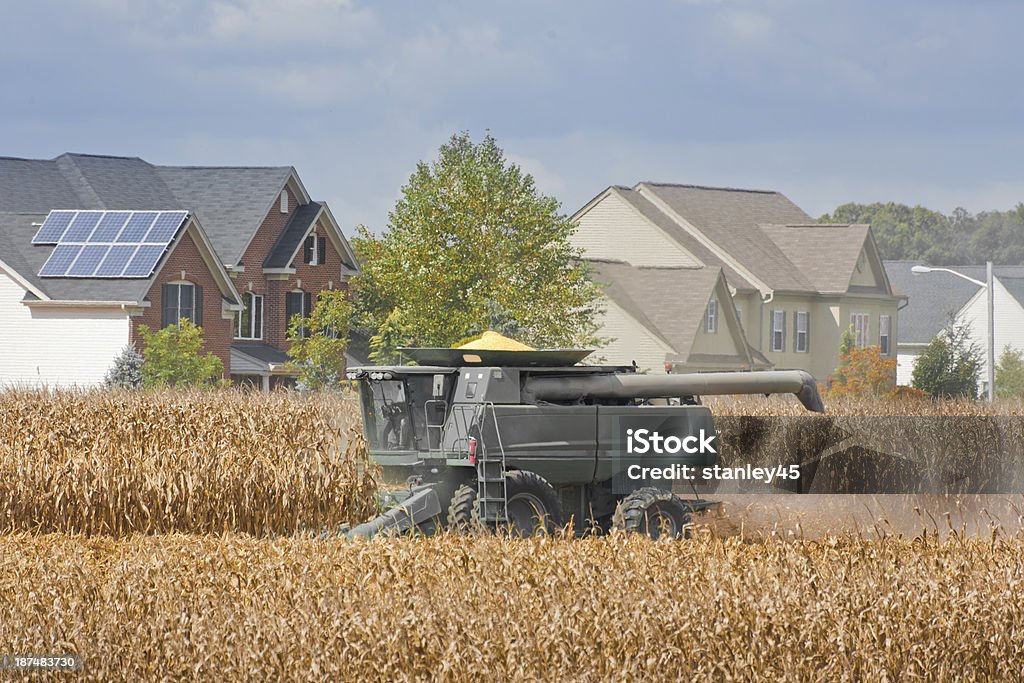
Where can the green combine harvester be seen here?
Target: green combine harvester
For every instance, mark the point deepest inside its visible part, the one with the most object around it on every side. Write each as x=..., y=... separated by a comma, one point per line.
x=526, y=440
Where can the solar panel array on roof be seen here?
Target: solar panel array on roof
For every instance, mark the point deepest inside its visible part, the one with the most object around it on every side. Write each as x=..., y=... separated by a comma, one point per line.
x=126, y=244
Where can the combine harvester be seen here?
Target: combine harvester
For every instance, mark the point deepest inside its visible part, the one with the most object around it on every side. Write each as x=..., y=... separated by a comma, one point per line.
x=523, y=439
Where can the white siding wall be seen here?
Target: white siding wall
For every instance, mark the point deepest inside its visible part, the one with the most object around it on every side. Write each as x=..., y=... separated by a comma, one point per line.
x=631, y=342
x=905, y=366
x=1009, y=323
x=613, y=230
x=56, y=347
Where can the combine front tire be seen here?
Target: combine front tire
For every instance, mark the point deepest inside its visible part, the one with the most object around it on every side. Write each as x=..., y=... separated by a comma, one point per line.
x=462, y=512
x=652, y=512
x=533, y=505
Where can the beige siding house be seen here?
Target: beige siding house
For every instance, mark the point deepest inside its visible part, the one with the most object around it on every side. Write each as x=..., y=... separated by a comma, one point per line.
x=795, y=285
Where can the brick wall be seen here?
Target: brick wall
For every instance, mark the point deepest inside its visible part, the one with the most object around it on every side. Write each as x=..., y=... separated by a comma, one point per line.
x=313, y=279
x=217, y=332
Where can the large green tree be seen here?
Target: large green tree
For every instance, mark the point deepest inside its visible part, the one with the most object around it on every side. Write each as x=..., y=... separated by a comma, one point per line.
x=472, y=244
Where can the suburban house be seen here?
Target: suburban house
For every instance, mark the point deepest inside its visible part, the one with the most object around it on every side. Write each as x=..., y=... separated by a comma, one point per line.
x=936, y=298
x=794, y=285
x=92, y=247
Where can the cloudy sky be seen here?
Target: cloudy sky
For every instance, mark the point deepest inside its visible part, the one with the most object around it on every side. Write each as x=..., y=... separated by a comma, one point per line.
x=827, y=102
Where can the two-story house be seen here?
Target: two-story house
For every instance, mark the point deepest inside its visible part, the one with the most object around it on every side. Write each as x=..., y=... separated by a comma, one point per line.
x=794, y=285
x=93, y=247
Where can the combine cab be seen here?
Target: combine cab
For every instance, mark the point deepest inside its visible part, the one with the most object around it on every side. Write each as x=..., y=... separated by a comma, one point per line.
x=527, y=440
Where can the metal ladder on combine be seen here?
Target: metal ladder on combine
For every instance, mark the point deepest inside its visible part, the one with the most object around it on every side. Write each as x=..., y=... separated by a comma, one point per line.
x=492, y=492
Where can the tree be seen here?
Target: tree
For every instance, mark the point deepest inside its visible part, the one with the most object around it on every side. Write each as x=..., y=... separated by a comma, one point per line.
x=950, y=364
x=1010, y=374
x=173, y=357
x=471, y=241
x=126, y=373
x=318, y=342
x=862, y=371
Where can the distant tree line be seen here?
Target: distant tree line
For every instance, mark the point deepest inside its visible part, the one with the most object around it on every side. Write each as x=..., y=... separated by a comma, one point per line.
x=916, y=233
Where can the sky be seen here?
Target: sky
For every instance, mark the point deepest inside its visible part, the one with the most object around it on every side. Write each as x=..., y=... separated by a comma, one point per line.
x=918, y=101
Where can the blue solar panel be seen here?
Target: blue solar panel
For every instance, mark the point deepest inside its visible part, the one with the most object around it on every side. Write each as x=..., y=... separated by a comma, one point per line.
x=60, y=260
x=165, y=227
x=144, y=261
x=109, y=227
x=137, y=227
x=117, y=258
x=53, y=227
x=107, y=243
x=86, y=263
x=82, y=226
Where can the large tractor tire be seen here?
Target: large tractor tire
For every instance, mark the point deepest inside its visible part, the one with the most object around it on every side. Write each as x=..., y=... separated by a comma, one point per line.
x=463, y=514
x=534, y=507
x=654, y=513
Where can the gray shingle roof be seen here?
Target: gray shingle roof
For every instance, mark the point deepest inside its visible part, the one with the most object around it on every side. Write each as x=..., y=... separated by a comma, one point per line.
x=281, y=253
x=668, y=301
x=682, y=237
x=17, y=250
x=230, y=203
x=34, y=186
x=731, y=218
x=826, y=255
x=933, y=298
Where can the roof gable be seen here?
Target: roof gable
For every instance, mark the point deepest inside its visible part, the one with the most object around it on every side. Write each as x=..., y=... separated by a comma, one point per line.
x=729, y=219
x=669, y=302
x=825, y=254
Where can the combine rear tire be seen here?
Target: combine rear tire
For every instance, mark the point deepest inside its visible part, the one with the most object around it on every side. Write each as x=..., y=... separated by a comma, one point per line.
x=533, y=505
x=652, y=512
x=462, y=512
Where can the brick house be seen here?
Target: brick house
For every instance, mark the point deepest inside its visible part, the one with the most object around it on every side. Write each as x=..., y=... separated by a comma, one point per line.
x=252, y=248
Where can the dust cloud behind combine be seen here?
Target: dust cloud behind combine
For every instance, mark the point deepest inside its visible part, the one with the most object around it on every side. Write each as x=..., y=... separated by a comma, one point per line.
x=809, y=516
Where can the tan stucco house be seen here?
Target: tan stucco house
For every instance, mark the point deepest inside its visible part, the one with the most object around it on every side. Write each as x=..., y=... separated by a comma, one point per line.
x=793, y=285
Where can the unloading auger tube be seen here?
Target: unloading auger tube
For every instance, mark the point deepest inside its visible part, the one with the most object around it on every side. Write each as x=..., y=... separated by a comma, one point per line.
x=628, y=386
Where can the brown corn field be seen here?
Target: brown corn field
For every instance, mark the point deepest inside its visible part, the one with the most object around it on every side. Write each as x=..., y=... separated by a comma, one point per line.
x=203, y=462
x=173, y=536
x=231, y=607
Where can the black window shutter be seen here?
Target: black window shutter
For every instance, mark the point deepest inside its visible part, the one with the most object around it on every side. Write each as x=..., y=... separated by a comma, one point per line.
x=807, y=332
x=796, y=330
x=321, y=249
x=169, y=304
x=307, y=304
x=197, y=313
x=292, y=306
x=307, y=250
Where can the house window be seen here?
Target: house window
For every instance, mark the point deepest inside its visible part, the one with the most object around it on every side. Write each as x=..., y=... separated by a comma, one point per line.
x=801, y=337
x=181, y=300
x=884, y=327
x=284, y=201
x=314, y=250
x=778, y=330
x=249, y=322
x=297, y=303
x=859, y=325
x=711, y=318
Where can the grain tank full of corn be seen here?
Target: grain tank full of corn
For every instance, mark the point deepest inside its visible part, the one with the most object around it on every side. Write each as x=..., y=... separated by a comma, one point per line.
x=497, y=433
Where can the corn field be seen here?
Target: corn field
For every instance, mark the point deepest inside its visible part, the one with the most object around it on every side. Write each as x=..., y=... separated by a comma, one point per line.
x=201, y=462
x=233, y=607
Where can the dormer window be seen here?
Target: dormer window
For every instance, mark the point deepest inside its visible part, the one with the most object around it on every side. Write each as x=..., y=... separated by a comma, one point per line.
x=284, y=201
x=314, y=250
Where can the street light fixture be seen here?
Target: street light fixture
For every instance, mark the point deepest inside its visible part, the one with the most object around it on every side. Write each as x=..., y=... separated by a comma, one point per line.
x=990, y=292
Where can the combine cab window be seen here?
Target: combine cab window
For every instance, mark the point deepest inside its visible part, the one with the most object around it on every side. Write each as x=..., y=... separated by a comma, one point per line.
x=386, y=412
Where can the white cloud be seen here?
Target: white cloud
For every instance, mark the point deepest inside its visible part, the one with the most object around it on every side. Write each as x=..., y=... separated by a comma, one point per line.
x=274, y=22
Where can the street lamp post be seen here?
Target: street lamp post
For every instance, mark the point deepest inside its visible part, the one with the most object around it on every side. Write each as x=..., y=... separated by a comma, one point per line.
x=990, y=346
